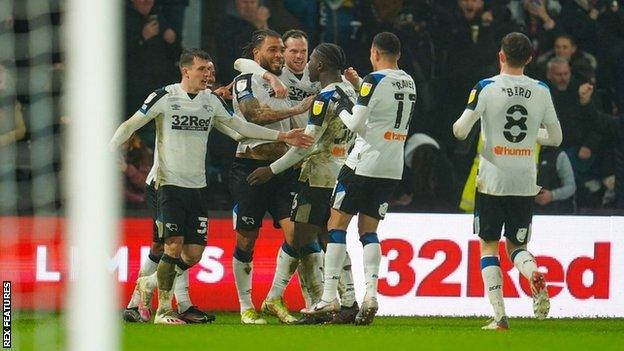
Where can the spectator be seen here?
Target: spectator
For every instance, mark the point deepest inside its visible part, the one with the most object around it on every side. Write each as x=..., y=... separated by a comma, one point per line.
x=539, y=24
x=173, y=12
x=556, y=177
x=582, y=64
x=234, y=33
x=579, y=118
x=151, y=55
x=470, y=37
x=429, y=183
x=135, y=165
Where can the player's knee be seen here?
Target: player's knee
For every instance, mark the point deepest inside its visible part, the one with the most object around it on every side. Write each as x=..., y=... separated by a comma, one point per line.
x=192, y=259
x=173, y=246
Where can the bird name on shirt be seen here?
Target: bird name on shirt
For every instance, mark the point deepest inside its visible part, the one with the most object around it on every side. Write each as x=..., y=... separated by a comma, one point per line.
x=517, y=91
x=402, y=84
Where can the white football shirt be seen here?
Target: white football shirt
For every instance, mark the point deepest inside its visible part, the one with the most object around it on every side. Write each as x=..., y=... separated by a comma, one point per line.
x=329, y=153
x=512, y=108
x=183, y=124
x=298, y=89
x=390, y=97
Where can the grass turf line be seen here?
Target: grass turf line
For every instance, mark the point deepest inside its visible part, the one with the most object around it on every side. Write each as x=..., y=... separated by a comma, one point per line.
x=385, y=334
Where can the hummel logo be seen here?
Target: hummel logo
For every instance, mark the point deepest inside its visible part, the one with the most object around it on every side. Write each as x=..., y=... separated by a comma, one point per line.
x=172, y=227
x=175, y=107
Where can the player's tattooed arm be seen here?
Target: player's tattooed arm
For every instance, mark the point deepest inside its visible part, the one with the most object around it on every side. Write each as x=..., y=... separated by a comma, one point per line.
x=250, y=66
x=262, y=175
x=263, y=115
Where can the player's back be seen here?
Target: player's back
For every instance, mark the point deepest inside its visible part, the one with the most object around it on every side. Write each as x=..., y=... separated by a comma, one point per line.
x=329, y=153
x=390, y=96
x=512, y=107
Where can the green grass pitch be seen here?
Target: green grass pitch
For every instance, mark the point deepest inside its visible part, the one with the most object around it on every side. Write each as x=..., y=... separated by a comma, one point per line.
x=45, y=332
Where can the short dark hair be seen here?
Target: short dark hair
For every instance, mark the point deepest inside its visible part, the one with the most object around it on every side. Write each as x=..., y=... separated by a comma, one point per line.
x=517, y=48
x=187, y=56
x=257, y=38
x=331, y=55
x=566, y=36
x=387, y=43
x=294, y=33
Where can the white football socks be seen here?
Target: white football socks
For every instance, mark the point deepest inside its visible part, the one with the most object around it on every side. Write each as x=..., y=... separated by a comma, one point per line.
x=181, y=290
x=524, y=261
x=242, y=275
x=285, y=267
x=493, y=283
x=148, y=268
x=334, y=259
x=372, y=259
x=346, y=289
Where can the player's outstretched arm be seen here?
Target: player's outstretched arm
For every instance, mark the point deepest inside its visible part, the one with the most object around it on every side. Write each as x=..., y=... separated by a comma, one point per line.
x=125, y=130
x=462, y=127
x=551, y=135
x=262, y=175
x=253, y=112
x=250, y=66
x=229, y=131
x=294, y=137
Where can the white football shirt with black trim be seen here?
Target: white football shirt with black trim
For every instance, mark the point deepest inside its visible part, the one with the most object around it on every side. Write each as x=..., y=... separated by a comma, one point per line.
x=183, y=124
x=298, y=89
x=391, y=97
x=329, y=153
x=512, y=108
x=251, y=85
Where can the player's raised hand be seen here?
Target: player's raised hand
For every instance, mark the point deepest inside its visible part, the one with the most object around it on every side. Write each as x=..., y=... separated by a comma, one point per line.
x=278, y=87
x=296, y=137
x=343, y=103
x=260, y=176
x=225, y=92
x=352, y=76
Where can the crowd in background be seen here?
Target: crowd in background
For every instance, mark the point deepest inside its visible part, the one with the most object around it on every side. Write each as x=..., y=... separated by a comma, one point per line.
x=447, y=47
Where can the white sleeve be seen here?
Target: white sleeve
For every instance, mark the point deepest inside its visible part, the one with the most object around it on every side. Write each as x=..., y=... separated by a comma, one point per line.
x=228, y=131
x=128, y=127
x=551, y=135
x=296, y=154
x=566, y=175
x=550, y=115
x=463, y=125
x=248, y=66
x=246, y=129
x=356, y=121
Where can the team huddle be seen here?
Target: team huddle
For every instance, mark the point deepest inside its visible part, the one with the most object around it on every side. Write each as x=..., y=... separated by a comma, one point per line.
x=316, y=146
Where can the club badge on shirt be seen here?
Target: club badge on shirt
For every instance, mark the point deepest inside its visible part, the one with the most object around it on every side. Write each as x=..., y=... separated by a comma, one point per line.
x=318, y=107
x=365, y=89
x=473, y=94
